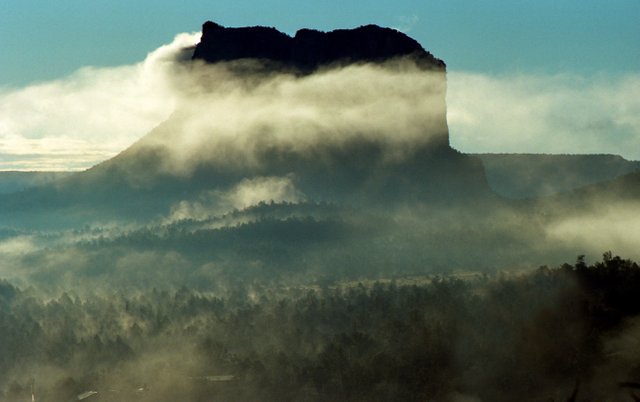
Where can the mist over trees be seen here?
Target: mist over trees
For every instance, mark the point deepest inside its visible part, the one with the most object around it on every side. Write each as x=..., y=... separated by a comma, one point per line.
x=522, y=337
x=285, y=242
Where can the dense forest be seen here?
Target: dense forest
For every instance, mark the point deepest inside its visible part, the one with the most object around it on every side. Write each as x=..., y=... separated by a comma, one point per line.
x=539, y=336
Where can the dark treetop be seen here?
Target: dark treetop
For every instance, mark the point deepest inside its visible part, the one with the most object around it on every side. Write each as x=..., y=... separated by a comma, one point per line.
x=310, y=49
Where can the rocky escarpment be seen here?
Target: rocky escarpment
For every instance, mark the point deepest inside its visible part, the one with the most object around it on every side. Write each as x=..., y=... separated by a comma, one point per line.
x=310, y=49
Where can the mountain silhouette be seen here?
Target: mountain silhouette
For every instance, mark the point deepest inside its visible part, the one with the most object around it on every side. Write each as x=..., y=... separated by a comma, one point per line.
x=310, y=49
x=539, y=175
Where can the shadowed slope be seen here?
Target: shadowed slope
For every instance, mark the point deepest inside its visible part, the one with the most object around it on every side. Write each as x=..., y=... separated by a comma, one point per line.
x=535, y=175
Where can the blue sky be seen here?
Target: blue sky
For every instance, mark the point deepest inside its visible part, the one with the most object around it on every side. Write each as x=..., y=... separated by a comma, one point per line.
x=514, y=45
x=46, y=39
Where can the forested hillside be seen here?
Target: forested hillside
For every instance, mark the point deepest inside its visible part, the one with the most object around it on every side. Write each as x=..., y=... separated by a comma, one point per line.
x=527, y=337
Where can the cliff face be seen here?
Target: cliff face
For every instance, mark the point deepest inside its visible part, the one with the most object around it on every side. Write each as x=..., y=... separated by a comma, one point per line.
x=310, y=49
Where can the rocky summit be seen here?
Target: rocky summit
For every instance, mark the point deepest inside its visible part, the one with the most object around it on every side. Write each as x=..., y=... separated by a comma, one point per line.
x=310, y=49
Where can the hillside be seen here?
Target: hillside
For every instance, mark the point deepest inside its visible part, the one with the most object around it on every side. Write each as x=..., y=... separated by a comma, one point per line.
x=14, y=181
x=539, y=175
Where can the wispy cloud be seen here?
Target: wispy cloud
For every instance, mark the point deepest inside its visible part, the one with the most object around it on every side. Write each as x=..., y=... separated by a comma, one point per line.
x=405, y=23
x=548, y=114
x=80, y=120
x=246, y=193
x=606, y=226
x=237, y=119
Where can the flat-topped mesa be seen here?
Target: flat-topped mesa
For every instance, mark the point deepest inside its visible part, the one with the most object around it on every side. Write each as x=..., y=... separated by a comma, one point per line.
x=310, y=49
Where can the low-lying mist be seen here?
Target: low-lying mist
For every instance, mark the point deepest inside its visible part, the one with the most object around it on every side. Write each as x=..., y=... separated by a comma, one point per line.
x=265, y=230
x=526, y=337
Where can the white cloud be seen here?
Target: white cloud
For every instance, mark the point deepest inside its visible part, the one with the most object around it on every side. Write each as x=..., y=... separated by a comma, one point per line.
x=230, y=118
x=251, y=192
x=89, y=116
x=17, y=246
x=246, y=193
x=544, y=114
x=607, y=226
x=405, y=23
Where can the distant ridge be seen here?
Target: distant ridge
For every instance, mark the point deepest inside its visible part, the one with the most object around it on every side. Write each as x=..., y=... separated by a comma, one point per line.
x=14, y=181
x=310, y=49
x=537, y=175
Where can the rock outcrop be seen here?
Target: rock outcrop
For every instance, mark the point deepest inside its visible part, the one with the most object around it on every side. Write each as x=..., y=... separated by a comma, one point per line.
x=310, y=49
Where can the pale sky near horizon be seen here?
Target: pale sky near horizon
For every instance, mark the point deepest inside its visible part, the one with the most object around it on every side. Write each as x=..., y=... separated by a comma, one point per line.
x=576, y=62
